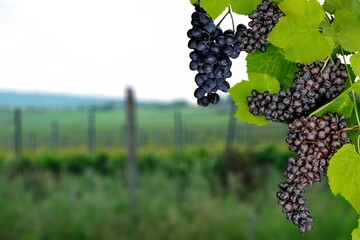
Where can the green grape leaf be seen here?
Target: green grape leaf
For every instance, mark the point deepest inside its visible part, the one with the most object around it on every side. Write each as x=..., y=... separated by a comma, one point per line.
x=352, y=5
x=352, y=76
x=355, y=63
x=214, y=7
x=243, y=89
x=344, y=30
x=274, y=64
x=193, y=1
x=355, y=87
x=343, y=174
x=352, y=121
x=356, y=233
x=297, y=32
x=353, y=135
x=244, y=7
x=341, y=105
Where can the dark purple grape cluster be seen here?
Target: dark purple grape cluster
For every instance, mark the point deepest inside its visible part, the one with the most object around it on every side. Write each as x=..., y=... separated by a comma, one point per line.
x=313, y=85
x=212, y=49
x=292, y=200
x=314, y=140
x=263, y=20
x=276, y=107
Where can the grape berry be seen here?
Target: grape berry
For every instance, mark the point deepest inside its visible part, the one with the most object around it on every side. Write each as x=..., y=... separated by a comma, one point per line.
x=213, y=48
x=314, y=140
x=210, y=56
x=313, y=85
x=263, y=20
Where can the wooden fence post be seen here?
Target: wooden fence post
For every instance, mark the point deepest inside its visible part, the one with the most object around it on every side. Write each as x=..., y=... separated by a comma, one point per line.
x=131, y=148
x=17, y=135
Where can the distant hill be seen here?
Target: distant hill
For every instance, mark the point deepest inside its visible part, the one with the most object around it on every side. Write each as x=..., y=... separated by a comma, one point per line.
x=43, y=100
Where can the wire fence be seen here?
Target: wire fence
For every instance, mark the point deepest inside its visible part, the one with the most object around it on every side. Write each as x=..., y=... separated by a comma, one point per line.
x=180, y=136
x=92, y=139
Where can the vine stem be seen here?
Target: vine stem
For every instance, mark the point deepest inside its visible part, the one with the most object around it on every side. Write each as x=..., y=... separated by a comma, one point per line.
x=325, y=63
x=350, y=128
x=228, y=12
x=232, y=19
x=353, y=97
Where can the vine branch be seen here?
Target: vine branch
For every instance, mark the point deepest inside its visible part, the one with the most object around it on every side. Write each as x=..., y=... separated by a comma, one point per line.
x=353, y=96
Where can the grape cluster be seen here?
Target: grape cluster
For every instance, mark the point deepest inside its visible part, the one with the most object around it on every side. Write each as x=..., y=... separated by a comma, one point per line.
x=292, y=200
x=212, y=49
x=263, y=20
x=313, y=85
x=314, y=140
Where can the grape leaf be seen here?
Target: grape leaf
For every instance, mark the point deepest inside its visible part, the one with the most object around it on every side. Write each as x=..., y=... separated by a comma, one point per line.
x=352, y=121
x=341, y=105
x=274, y=64
x=355, y=63
x=214, y=7
x=193, y=1
x=344, y=30
x=297, y=32
x=352, y=5
x=244, y=7
x=243, y=89
x=343, y=174
x=356, y=233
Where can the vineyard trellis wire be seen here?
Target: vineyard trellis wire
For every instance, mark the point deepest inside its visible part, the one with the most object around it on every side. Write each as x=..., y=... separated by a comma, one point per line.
x=59, y=138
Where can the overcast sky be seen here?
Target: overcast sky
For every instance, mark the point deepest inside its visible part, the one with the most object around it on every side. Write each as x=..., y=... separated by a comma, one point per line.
x=99, y=48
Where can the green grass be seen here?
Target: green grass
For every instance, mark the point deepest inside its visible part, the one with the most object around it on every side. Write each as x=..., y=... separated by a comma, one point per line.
x=37, y=206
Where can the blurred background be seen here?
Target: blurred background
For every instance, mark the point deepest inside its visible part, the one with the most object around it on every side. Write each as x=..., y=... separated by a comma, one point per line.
x=86, y=168
x=100, y=136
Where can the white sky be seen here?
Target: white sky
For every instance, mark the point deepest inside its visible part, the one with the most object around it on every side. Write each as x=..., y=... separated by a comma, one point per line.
x=99, y=48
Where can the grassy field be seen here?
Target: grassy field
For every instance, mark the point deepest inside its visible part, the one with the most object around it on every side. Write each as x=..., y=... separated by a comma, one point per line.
x=38, y=206
x=73, y=194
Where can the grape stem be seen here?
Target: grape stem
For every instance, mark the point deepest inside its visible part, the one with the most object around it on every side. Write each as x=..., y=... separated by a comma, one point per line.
x=232, y=19
x=350, y=128
x=325, y=63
